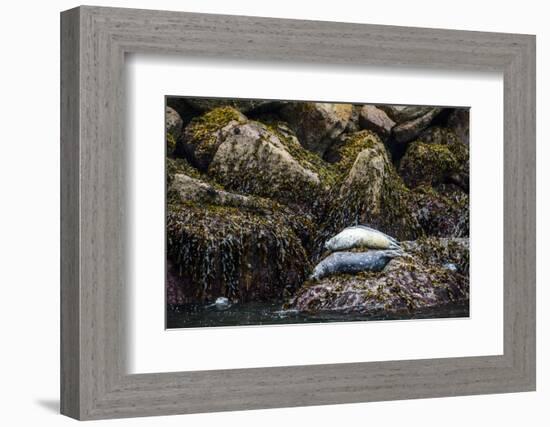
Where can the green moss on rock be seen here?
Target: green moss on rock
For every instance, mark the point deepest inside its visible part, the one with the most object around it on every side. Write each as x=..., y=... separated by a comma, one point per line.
x=202, y=136
x=371, y=192
x=437, y=157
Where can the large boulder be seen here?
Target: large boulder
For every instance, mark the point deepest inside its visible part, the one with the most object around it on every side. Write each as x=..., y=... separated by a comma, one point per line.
x=376, y=120
x=317, y=125
x=203, y=135
x=371, y=192
x=437, y=157
x=423, y=278
x=237, y=253
x=256, y=159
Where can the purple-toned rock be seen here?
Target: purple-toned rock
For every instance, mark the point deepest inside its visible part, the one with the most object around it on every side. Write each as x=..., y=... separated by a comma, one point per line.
x=412, y=282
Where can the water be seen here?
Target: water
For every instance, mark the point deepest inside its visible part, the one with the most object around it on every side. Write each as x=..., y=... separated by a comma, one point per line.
x=255, y=313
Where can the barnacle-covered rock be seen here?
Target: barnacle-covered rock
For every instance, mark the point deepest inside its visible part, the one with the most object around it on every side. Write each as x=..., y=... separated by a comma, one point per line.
x=317, y=125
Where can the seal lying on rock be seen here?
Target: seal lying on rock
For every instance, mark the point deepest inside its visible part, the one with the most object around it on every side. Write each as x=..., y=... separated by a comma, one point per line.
x=360, y=236
x=353, y=262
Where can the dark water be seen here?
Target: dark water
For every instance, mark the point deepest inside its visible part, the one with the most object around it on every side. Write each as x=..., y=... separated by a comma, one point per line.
x=253, y=313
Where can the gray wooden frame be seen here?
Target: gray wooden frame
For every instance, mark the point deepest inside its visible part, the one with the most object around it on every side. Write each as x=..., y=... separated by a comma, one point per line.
x=94, y=382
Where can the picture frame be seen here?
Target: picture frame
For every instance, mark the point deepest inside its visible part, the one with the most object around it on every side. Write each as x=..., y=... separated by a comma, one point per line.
x=94, y=380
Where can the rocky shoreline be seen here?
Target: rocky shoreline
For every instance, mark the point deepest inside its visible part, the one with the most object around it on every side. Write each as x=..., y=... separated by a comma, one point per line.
x=256, y=188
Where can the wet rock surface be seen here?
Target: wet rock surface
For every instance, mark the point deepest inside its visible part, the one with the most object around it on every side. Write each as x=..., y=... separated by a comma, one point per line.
x=419, y=279
x=256, y=190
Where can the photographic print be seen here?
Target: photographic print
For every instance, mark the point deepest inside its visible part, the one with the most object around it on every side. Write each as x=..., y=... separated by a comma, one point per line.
x=286, y=212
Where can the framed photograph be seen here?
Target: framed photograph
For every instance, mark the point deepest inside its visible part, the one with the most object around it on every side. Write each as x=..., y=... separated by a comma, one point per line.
x=262, y=213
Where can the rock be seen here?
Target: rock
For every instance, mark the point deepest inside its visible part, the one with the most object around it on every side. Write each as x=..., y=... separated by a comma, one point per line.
x=184, y=189
x=371, y=192
x=376, y=120
x=440, y=251
x=439, y=157
x=242, y=105
x=459, y=122
x=441, y=214
x=255, y=159
x=317, y=125
x=409, y=130
x=417, y=281
x=237, y=253
x=353, y=123
x=404, y=113
x=174, y=122
x=180, y=105
x=203, y=135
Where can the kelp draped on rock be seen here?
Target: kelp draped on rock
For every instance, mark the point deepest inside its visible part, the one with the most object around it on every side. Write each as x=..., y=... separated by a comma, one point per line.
x=233, y=252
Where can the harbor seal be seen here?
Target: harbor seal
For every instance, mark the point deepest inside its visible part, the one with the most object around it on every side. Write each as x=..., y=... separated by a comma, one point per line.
x=353, y=262
x=360, y=236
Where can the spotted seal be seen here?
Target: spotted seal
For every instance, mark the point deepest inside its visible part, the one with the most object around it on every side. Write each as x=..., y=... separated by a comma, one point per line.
x=353, y=262
x=360, y=236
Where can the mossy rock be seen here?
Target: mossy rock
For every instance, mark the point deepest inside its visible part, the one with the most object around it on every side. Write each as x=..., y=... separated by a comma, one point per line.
x=184, y=189
x=182, y=166
x=205, y=133
x=261, y=160
x=441, y=251
x=233, y=252
x=441, y=212
x=371, y=192
x=409, y=283
x=438, y=157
